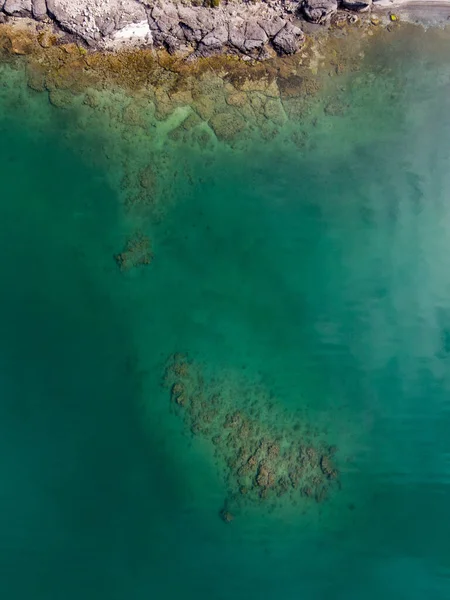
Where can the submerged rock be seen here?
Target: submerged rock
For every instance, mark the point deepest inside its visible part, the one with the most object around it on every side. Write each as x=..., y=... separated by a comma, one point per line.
x=263, y=457
x=137, y=252
x=94, y=21
x=227, y=125
x=226, y=516
x=39, y=9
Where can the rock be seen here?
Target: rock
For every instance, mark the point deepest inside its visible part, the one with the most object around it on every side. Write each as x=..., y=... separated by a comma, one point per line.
x=185, y=27
x=327, y=468
x=255, y=36
x=217, y=38
x=60, y=98
x=36, y=78
x=18, y=8
x=95, y=20
x=137, y=253
x=289, y=39
x=189, y=24
x=236, y=29
x=46, y=39
x=20, y=43
x=39, y=9
x=318, y=11
x=166, y=29
x=272, y=26
x=246, y=444
x=226, y=516
x=238, y=99
x=356, y=5
x=207, y=30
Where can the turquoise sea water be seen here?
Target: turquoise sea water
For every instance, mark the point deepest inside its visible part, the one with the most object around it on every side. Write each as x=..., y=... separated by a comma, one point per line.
x=319, y=273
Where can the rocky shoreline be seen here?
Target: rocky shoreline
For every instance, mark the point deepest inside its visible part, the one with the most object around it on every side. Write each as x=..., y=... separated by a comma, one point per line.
x=251, y=30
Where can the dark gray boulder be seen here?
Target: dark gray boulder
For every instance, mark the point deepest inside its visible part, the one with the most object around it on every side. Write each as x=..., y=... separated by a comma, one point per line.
x=39, y=9
x=318, y=11
x=236, y=34
x=288, y=40
x=272, y=26
x=18, y=8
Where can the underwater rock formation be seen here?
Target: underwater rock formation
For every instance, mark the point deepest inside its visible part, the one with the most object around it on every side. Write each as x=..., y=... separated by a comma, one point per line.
x=265, y=457
x=137, y=253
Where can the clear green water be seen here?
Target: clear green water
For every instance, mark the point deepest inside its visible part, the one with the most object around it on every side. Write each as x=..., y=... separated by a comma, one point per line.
x=321, y=273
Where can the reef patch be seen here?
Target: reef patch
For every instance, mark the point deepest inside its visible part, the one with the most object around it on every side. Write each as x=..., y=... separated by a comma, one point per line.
x=266, y=456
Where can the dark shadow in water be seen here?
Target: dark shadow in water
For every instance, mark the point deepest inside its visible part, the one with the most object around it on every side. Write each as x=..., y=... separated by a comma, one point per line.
x=85, y=493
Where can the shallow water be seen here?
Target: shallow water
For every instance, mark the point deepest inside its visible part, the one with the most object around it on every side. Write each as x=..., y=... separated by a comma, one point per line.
x=319, y=273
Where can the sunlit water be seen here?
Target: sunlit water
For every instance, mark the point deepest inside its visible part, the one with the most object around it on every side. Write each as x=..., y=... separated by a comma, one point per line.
x=321, y=273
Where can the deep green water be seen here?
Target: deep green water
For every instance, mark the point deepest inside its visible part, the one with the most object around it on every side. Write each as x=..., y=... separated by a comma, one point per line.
x=320, y=272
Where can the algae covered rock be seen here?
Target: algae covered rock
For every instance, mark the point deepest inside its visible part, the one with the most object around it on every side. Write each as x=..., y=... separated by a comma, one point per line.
x=61, y=98
x=227, y=125
x=226, y=516
x=36, y=78
x=274, y=111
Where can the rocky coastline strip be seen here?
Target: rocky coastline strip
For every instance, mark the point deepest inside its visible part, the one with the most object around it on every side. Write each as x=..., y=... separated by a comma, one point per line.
x=201, y=28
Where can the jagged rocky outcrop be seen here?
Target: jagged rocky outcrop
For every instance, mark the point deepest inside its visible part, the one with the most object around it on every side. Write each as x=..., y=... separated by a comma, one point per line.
x=244, y=30
x=318, y=11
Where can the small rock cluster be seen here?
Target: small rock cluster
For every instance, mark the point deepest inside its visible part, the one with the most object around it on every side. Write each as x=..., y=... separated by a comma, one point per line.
x=137, y=253
x=265, y=458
